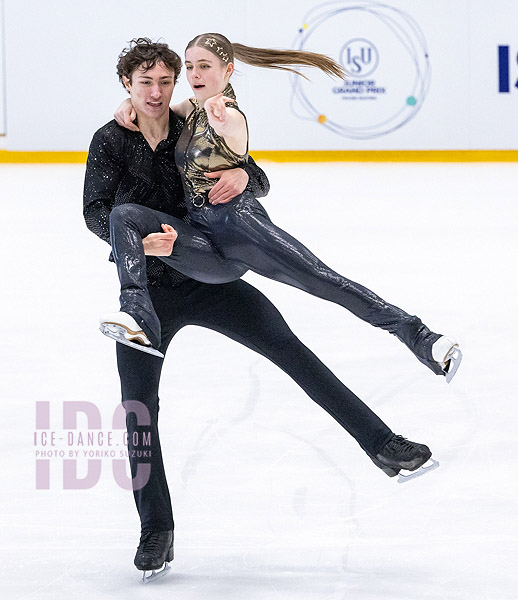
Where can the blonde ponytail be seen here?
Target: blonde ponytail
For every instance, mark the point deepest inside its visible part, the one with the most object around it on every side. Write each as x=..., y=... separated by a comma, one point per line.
x=267, y=58
x=285, y=59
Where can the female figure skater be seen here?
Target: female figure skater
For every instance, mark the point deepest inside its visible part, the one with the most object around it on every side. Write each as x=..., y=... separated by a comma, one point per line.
x=215, y=137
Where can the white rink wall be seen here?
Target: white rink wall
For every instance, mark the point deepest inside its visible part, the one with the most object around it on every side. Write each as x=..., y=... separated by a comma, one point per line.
x=435, y=84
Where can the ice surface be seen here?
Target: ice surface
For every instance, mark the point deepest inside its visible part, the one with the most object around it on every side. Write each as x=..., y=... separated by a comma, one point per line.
x=272, y=499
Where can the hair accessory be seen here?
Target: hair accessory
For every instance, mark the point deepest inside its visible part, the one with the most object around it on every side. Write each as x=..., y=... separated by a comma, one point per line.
x=219, y=50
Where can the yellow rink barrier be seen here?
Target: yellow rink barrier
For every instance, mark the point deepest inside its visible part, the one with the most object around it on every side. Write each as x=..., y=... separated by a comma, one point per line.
x=12, y=156
x=386, y=155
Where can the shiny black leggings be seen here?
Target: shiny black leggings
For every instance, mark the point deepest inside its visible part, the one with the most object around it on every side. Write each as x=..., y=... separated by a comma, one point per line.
x=227, y=239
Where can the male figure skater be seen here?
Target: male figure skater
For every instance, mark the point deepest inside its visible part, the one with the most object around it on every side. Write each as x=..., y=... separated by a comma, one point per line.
x=138, y=167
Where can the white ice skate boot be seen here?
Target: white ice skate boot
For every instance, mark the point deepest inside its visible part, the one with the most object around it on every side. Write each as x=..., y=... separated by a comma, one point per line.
x=123, y=328
x=448, y=355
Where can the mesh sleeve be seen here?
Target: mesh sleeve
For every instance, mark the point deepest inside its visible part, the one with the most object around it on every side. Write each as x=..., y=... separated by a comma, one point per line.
x=258, y=183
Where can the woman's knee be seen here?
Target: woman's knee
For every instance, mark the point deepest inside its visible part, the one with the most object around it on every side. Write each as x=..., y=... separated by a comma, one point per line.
x=127, y=214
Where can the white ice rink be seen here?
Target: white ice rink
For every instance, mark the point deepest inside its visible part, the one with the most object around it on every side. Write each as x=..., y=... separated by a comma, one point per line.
x=272, y=499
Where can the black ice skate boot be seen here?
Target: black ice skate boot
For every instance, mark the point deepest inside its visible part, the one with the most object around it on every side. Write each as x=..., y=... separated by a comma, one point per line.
x=154, y=551
x=399, y=453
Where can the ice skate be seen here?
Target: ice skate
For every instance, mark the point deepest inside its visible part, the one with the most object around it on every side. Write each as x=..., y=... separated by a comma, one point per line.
x=440, y=353
x=402, y=454
x=154, y=552
x=123, y=328
x=447, y=354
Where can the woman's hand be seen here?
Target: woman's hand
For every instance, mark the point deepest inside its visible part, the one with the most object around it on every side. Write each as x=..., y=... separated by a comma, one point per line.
x=125, y=115
x=160, y=244
x=217, y=111
x=230, y=124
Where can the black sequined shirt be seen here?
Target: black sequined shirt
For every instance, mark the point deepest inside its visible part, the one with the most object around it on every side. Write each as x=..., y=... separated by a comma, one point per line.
x=122, y=168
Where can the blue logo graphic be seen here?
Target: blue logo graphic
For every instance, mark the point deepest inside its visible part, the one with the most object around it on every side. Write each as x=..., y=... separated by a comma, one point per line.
x=384, y=53
x=504, y=68
x=359, y=57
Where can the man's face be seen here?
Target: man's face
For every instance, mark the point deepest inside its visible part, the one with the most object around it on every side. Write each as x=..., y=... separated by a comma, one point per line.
x=151, y=90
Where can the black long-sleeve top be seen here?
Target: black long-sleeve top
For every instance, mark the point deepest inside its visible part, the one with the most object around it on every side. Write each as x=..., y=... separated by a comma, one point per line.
x=122, y=168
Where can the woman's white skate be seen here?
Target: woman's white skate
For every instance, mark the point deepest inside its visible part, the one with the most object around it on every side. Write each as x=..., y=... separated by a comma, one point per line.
x=447, y=353
x=123, y=328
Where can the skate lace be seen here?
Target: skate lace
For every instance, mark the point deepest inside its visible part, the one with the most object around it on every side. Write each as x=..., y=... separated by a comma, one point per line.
x=149, y=541
x=403, y=443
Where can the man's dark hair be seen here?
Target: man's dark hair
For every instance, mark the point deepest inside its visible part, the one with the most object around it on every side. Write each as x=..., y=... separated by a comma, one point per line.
x=142, y=52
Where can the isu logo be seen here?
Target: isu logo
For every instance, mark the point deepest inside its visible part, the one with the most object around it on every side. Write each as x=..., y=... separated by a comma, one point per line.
x=359, y=57
x=385, y=55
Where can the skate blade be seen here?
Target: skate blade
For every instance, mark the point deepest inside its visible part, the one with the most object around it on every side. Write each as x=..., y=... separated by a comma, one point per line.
x=116, y=332
x=428, y=467
x=455, y=358
x=155, y=574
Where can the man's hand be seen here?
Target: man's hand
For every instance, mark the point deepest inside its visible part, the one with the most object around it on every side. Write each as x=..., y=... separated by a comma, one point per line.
x=125, y=115
x=232, y=182
x=160, y=244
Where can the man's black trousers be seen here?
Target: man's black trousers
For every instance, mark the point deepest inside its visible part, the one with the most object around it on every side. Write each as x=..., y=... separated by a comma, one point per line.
x=244, y=314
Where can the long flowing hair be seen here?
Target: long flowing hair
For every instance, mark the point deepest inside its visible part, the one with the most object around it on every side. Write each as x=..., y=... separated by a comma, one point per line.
x=267, y=58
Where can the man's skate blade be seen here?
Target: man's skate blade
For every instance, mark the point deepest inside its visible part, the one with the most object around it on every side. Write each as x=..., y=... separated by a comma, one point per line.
x=428, y=467
x=117, y=334
x=155, y=574
x=455, y=360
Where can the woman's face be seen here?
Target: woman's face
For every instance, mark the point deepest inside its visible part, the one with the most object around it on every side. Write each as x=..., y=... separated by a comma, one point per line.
x=206, y=74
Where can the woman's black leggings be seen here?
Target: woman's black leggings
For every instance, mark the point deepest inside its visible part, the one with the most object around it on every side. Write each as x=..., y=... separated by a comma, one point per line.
x=242, y=233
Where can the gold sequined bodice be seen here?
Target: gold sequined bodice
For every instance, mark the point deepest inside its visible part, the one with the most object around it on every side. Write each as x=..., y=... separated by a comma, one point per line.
x=200, y=150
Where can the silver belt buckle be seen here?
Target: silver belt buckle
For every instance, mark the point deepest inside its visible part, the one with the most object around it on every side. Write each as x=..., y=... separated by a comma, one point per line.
x=198, y=198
